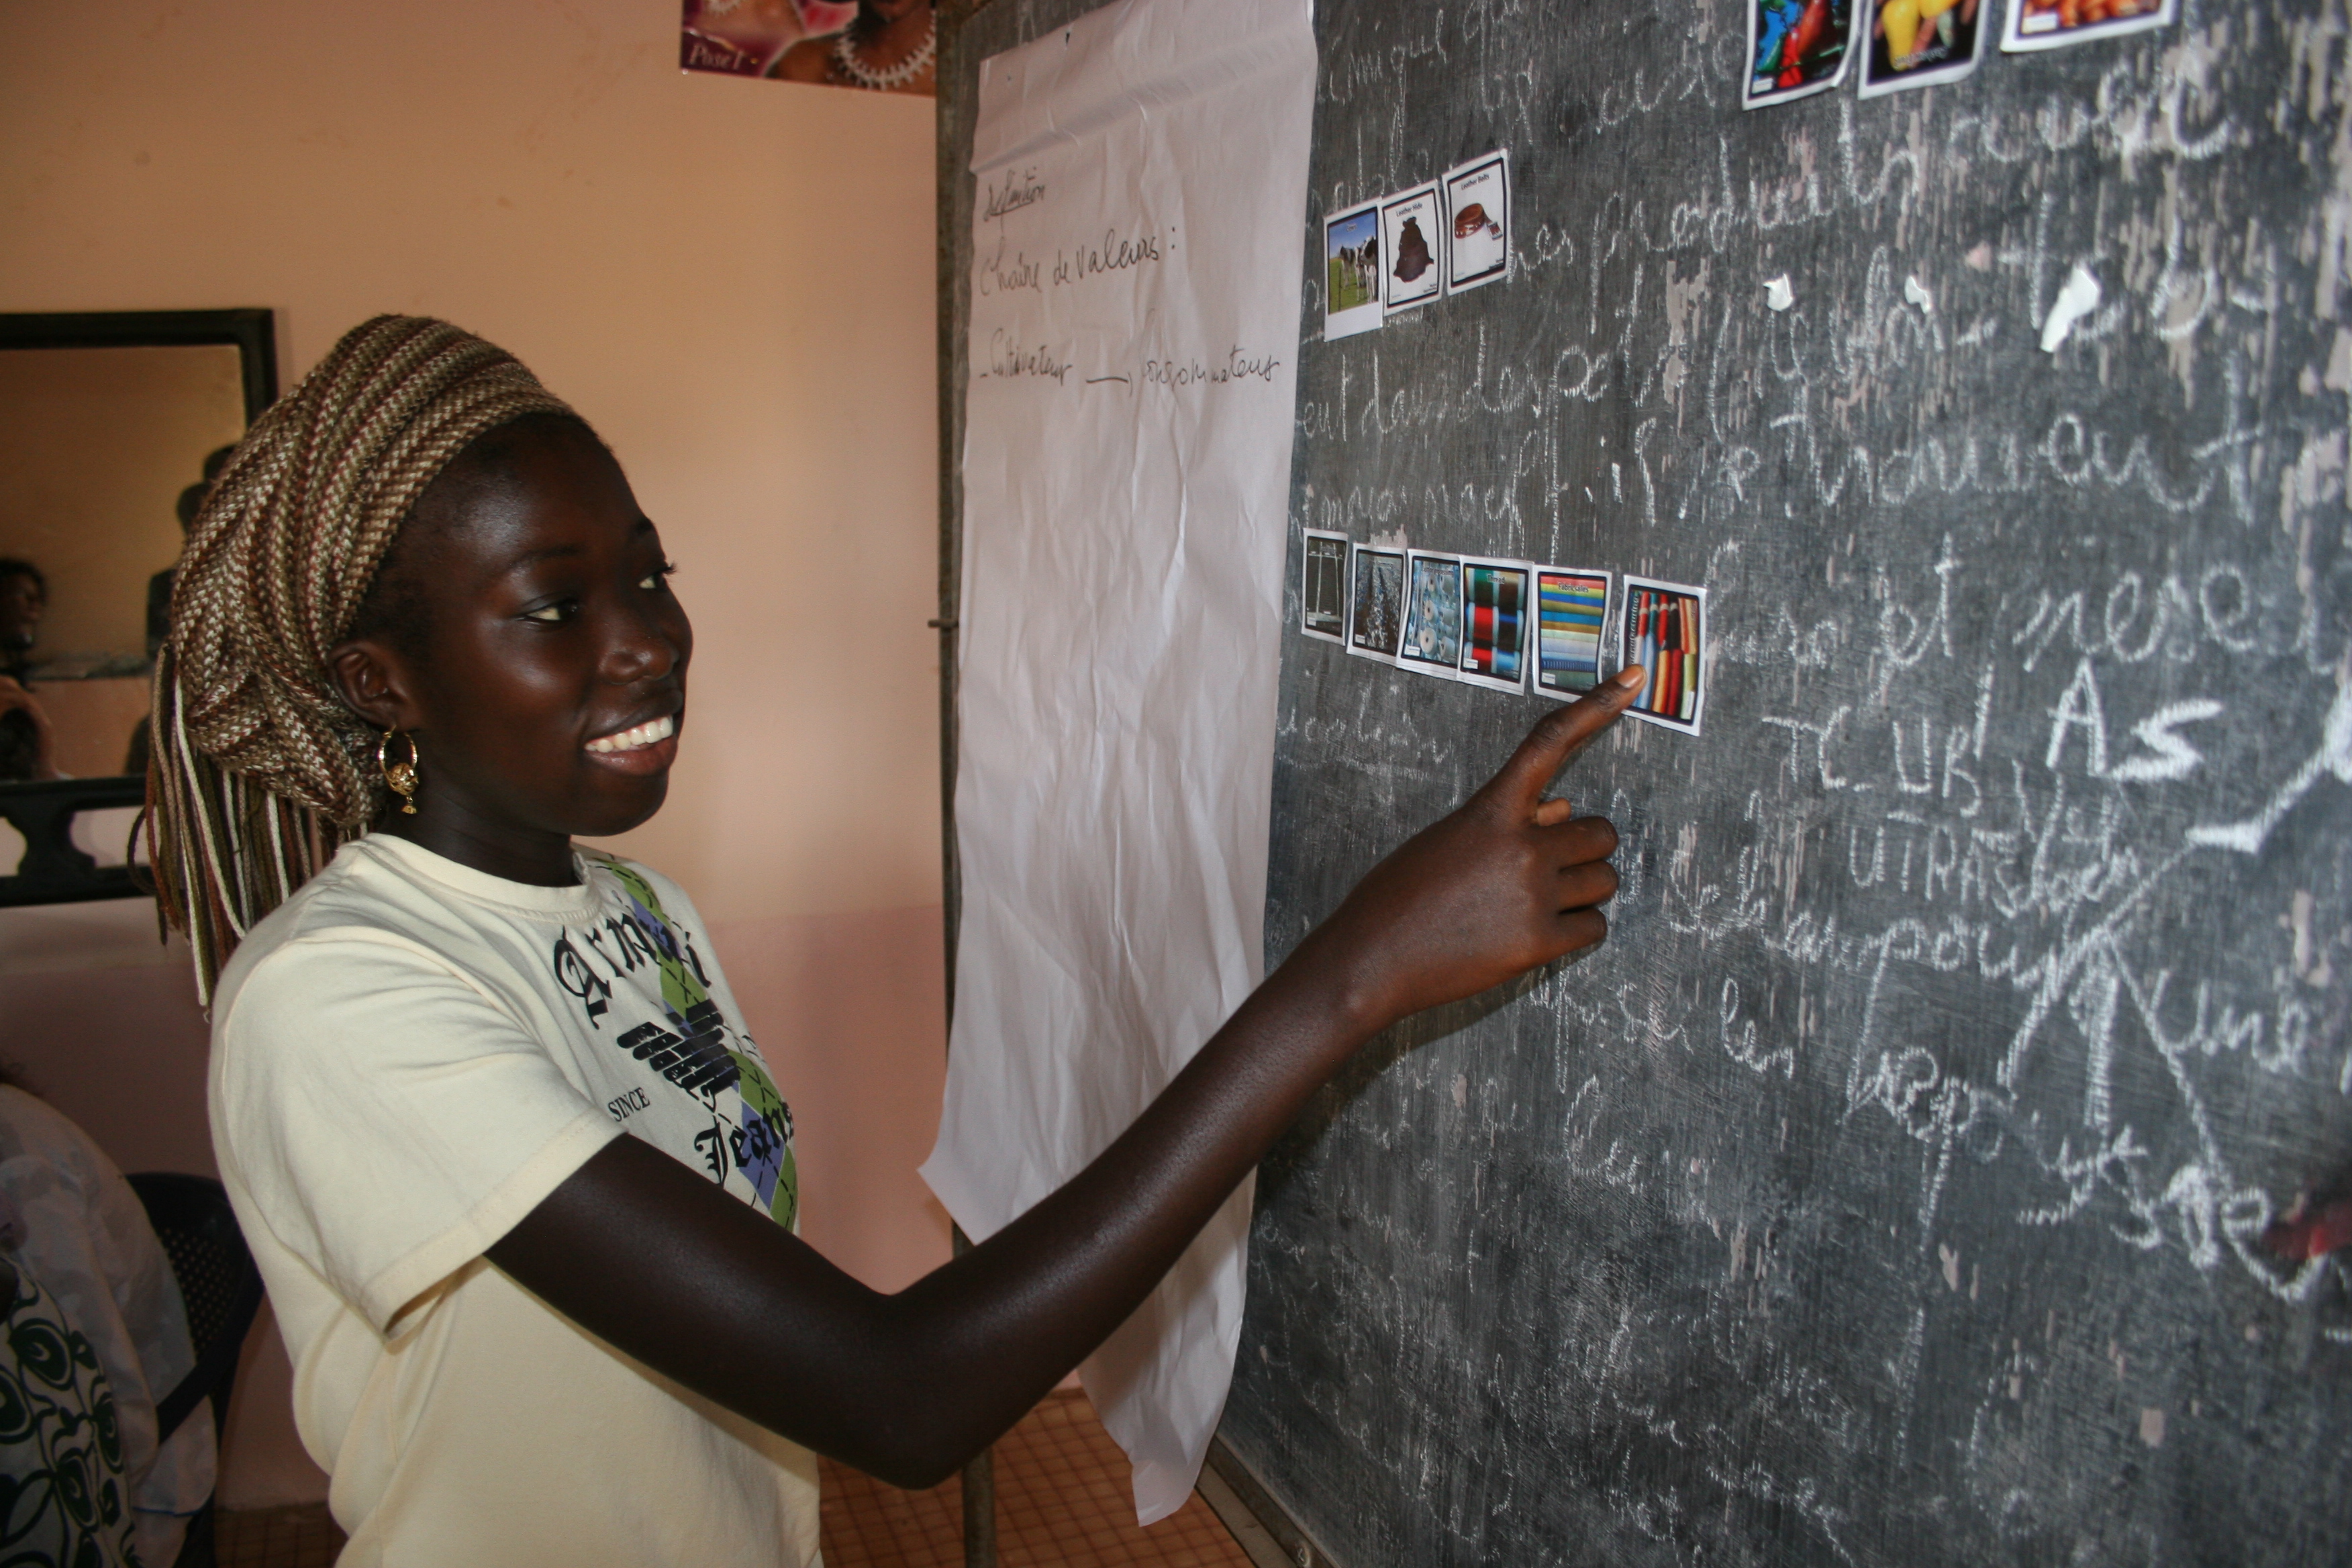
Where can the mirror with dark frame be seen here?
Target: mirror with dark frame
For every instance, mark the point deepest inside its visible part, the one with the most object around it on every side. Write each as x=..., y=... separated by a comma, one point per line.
x=111, y=426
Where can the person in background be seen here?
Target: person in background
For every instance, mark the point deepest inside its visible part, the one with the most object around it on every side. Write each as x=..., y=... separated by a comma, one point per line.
x=96, y=1333
x=159, y=586
x=159, y=597
x=28, y=744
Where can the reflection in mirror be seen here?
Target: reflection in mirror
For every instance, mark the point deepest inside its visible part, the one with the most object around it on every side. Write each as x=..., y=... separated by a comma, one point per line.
x=111, y=428
x=98, y=448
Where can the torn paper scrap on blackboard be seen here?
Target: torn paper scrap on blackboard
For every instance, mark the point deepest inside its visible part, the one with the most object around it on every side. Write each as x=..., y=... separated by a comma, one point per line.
x=1137, y=255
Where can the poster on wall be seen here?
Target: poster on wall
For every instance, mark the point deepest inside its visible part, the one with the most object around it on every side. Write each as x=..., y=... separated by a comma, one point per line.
x=874, y=45
x=1133, y=334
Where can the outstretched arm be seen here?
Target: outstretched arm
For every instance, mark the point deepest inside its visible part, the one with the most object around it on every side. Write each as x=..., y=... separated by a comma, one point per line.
x=639, y=1250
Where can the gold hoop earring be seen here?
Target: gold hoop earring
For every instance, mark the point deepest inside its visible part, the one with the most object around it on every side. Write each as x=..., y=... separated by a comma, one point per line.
x=399, y=777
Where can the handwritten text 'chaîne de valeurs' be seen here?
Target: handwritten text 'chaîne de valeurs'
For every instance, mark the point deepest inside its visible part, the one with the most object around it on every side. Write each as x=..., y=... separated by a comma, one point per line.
x=1009, y=269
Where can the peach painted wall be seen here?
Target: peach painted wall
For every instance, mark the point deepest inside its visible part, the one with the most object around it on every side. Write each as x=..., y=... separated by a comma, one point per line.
x=734, y=281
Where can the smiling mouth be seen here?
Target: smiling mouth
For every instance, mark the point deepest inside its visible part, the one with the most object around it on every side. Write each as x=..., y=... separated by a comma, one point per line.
x=651, y=733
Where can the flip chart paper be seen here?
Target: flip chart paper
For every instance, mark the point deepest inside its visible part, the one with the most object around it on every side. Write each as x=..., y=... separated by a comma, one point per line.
x=1139, y=242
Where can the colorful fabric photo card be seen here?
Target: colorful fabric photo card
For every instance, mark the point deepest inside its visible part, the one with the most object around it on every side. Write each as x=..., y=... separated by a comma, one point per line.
x=2055, y=24
x=1323, y=585
x=1797, y=48
x=1496, y=601
x=1375, y=603
x=1918, y=43
x=1665, y=634
x=1432, y=615
x=1571, y=623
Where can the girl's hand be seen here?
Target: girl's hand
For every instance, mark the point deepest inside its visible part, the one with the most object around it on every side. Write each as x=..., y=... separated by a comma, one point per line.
x=1506, y=883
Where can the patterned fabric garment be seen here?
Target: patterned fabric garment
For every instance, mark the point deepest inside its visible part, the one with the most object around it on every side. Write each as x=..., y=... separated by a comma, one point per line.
x=63, y=1500
x=751, y=1128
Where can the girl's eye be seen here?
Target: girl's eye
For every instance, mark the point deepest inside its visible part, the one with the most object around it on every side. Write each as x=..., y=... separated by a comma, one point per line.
x=653, y=580
x=553, y=615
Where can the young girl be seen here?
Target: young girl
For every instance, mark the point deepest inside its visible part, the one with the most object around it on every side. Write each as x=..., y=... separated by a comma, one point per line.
x=522, y=1191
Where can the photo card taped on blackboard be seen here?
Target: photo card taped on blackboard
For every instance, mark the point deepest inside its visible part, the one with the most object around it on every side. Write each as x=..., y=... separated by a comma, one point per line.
x=1497, y=623
x=1351, y=271
x=1571, y=629
x=1796, y=49
x=1477, y=222
x=1375, y=601
x=1919, y=43
x=2034, y=25
x=1664, y=632
x=1323, y=585
x=1413, y=267
x=1432, y=615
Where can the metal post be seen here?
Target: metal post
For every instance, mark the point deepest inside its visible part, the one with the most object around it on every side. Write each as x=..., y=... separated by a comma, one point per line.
x=980, y=1475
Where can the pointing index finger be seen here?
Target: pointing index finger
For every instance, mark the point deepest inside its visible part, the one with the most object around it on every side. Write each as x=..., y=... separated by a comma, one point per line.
x=1560, y=735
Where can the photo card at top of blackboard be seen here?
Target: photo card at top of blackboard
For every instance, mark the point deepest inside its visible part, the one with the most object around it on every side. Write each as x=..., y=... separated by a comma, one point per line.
x=1572, y=630
x=1497, y=622
x=1323, y=585
x=1920, y=43
x=1375, y=601
x=1664, y=632
x=1477, y=222
x=1432, y=615
x=1351, y=271
x=2034, y=25
x=1796, y=49
x=1413, y=267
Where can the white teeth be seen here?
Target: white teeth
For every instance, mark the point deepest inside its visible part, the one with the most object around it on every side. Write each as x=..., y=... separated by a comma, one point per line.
x=645, y=734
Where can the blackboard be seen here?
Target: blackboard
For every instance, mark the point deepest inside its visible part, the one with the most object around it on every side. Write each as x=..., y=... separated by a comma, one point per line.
x=1903, y=1182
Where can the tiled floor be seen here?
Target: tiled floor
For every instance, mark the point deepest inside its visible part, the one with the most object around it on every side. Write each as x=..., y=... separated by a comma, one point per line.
x=1062, y=1499
x=303, y=1537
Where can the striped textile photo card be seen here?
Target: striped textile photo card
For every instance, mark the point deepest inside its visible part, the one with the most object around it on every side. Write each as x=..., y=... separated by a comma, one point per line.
x=1494, y=623
x=1665, y=634
x=1571, y=622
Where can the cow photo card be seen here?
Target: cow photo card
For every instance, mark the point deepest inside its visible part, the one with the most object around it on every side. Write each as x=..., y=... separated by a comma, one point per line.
x=1497, y=623
x=1413, y=267
x=1796, y=49
x=1351, y=272
x=1323, y=585
x=1571, y=629
x=1477, y=222
x=1664, y=632
x=1432, y=615
x=2054, y=24
x=1918, y=43
x=1375, y=601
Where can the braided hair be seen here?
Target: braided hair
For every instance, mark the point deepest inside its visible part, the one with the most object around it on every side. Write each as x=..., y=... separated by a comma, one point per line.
x=258, y=771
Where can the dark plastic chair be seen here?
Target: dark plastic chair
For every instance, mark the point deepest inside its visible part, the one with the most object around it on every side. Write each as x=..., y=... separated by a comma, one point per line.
x=222, y=1290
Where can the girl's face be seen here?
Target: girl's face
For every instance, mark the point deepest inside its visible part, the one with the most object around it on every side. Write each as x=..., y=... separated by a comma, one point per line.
x=541, y=661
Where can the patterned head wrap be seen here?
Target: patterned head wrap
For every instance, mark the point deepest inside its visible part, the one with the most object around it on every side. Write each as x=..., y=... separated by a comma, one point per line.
x=258, y=772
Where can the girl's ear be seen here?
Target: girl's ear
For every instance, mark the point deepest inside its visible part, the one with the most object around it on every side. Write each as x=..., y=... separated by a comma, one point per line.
x=374, y=683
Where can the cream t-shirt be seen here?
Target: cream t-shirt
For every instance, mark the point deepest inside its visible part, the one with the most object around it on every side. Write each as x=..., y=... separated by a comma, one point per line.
x=407, y=1057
